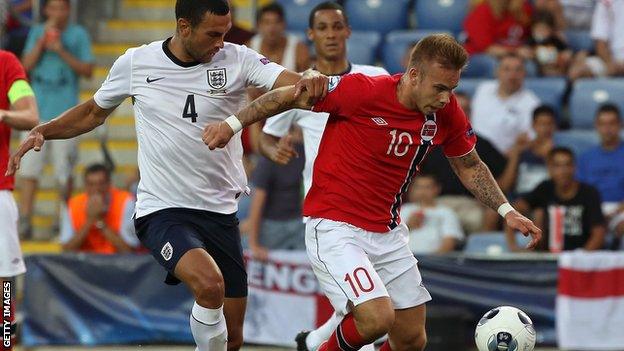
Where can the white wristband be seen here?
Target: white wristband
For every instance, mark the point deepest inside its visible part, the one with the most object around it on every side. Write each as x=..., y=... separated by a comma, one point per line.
x=504, y=209
x=234, y=123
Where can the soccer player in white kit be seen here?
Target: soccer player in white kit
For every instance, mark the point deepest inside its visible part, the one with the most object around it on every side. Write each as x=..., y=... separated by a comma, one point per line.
x=187, y=197
x=329, y=30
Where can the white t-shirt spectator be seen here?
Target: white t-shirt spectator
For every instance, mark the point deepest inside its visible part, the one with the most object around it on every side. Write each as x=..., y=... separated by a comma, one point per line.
x=439, y=222
x=499, y=120
x=608, y=25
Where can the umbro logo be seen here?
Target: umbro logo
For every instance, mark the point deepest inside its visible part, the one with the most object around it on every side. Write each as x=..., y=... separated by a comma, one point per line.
x=152, y=80
x=379, y=121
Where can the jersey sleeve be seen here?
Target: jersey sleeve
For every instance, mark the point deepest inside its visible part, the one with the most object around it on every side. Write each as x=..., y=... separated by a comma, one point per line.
x=279, y=125
x=259, y=71
x=12, y=70
x=344, y=95
x=461, y=139
x=118, y=84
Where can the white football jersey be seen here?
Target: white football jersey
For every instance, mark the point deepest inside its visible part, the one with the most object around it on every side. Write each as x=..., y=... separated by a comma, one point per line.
x=312, y=124
x=173, y=102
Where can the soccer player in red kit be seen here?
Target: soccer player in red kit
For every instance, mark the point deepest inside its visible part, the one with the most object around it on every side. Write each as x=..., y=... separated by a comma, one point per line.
x=18, y=110
x=379, y=131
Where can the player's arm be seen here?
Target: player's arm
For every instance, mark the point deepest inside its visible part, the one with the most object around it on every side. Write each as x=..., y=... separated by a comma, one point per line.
x=311, y=81
x=278, y=150
x=477, y=178
x=23, y=114
x=78, y=120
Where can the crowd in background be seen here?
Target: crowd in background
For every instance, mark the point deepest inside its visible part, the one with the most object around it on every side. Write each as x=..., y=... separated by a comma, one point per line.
x=577, y=199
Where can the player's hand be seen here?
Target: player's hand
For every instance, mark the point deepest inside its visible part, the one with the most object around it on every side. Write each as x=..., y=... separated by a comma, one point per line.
x=34, y=140
x=217, y=135
x=518, y=222
x=315, y=83
x=284, y=151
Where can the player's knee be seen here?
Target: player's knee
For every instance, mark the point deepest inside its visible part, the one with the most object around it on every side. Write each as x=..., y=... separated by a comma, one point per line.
x=208, y=289
x=376, y=325
x=412, y=342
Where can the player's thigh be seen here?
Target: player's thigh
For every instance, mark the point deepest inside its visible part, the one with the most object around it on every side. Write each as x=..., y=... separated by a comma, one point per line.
x=234, y=310
x=398, y=268
x=408, y=331
x=64, y=157
x=11, y=260
x=343, y=269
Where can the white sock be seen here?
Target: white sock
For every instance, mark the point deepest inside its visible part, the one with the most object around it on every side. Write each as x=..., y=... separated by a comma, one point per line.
x=208, y=328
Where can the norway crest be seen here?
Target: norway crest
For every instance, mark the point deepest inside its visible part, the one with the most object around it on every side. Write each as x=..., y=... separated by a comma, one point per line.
x=217, y=79
x=428, y=130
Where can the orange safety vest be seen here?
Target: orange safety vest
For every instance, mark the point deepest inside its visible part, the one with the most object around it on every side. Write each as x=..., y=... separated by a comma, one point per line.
x=95, y=241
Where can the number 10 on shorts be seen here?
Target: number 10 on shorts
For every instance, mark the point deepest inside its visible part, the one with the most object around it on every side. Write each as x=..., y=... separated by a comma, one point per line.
x=359, y=274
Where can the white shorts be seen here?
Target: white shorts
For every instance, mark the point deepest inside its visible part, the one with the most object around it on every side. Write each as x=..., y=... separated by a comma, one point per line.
x=62, y=153
x=355, y=265
x=11, y=260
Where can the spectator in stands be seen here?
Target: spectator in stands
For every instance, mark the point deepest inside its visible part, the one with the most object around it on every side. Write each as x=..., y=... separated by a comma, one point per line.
x=273, y=42
x=502, y=109
x=237, y=34
x=434, y=228
x=555, y=9
x=603, y=166
x=100, y=219
x=18, y=25
x=274, y=221
x=606, y=29
x=498, y=27
x=569, y=210
x=57, y=53
x=551, y=54
x=578, y=13
x=526, y=164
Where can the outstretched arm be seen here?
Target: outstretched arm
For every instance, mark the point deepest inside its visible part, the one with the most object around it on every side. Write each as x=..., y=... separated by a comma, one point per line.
x=477, y=178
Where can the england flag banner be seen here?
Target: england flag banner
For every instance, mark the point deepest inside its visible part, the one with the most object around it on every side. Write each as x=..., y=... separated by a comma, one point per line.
x=284, y=299
x=590, y=301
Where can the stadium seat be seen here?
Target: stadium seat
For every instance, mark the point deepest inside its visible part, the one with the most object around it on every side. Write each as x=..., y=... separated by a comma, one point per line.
x=382, y=16
x=579, y=40
x=549, y=90
x=362, y=47
x=469, y=86
x=297, y=13
x=577, y=140
x=441, y=14
x=589, y=94
x=481, y=66
x=486, y=243
x=397, y=42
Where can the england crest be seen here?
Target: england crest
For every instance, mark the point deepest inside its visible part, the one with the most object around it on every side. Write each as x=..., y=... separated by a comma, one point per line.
x=217, y=79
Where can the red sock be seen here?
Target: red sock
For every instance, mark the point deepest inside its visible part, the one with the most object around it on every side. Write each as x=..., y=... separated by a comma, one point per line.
x=344, y=338
x=385, y=346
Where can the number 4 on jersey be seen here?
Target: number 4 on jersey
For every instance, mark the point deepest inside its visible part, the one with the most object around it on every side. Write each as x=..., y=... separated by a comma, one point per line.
x=189, y=108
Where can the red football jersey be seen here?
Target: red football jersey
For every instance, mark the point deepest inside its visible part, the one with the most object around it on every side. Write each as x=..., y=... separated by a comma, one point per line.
x=10, y=71
x=371, y=149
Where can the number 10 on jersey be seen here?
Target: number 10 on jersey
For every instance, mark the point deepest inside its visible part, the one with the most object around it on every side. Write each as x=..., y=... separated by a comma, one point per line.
x=400, y=144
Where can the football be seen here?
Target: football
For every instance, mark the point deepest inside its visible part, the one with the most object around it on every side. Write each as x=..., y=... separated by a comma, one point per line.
x=505, y=328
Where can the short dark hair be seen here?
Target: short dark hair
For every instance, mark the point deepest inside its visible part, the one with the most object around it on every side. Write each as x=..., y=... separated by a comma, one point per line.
x=544, y=110
x=609, y=107
x=560, y=150
x=96, y=168
x=543, y=17
x=194, y=10
x=327, y=5
x=270, y=8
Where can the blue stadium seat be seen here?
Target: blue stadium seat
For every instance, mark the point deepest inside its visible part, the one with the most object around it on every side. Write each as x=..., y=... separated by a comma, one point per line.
x=549, y=90
x=382, y=16
x=297, y=13
x=577, y=140
x=397, y=43
x=362, y=47
x=589, y=94
x=579, y=40
x=441, y=14
x=481, y=66
x=486, y=243
x=469, y=86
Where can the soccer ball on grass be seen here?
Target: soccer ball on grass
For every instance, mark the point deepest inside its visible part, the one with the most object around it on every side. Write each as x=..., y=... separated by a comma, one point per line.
x=505, y=328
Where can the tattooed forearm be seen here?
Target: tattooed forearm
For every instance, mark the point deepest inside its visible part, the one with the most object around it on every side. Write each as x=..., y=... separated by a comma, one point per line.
x=478, y=179
x=269, y=104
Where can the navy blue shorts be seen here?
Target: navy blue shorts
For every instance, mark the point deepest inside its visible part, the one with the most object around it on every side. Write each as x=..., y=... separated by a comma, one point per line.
x=170, y=233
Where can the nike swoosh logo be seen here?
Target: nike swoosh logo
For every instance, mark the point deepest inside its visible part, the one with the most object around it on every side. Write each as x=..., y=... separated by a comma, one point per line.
x=153, y=80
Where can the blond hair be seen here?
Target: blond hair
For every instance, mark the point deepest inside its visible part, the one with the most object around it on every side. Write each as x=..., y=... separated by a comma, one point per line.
x=439, y=48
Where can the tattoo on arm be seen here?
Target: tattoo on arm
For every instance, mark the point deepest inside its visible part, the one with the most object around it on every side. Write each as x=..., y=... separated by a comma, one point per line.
x=477, y=178
x=267, y=105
